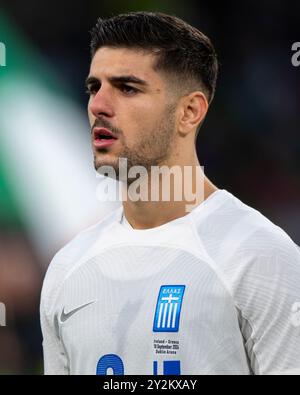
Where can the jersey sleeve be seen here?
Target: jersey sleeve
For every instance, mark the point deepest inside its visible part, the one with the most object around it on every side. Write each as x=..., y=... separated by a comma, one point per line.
x=266, y=287
x=56, y=360
x=55, y=357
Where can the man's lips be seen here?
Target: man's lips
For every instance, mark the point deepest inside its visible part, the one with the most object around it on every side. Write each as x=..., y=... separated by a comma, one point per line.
x=103, y=138
x=99, y=133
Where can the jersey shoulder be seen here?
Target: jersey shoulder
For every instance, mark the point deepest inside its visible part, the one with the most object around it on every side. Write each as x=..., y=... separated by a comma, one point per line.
x=250, y=252
x=260, y=265
x=228, y=227
x=66, y=257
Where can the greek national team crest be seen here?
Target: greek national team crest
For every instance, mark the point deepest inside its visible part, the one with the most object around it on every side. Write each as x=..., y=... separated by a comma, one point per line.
x=168, y=307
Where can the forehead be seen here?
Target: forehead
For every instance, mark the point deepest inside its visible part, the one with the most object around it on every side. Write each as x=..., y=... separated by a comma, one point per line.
x=109, y=62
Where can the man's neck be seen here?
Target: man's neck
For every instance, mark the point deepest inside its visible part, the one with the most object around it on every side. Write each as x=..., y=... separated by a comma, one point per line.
x=150, y=214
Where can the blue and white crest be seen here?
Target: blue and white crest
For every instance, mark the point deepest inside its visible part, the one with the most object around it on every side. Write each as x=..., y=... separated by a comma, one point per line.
x=168, y=307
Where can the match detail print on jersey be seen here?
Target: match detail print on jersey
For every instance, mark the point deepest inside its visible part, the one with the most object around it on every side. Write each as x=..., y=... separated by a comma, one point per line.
x=168, y=308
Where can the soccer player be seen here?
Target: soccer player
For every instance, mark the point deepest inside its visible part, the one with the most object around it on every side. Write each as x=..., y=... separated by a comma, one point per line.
x=154, y=288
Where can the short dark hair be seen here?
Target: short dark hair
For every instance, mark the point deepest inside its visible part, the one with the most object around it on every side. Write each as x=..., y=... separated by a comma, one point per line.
x=183, y=50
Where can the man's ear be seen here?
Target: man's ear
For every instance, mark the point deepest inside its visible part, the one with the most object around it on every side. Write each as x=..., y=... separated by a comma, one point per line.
x=193, y=109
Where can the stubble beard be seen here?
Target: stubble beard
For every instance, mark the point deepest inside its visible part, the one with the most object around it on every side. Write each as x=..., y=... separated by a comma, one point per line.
x=152, y=149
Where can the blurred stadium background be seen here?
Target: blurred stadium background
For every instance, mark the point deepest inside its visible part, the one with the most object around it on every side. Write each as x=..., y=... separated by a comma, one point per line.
x=249, y=144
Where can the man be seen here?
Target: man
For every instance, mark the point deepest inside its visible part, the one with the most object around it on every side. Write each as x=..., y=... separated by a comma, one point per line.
x=155, y=288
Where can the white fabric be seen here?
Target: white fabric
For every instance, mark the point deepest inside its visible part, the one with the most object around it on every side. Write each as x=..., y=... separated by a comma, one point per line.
x=239, y=310
x=124, y=222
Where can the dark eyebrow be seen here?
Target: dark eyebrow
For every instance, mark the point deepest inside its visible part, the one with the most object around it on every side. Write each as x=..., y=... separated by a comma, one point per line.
x=119, y=79
x=128, y=78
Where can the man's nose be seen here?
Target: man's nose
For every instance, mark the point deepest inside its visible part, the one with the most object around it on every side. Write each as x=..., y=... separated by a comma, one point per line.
x=101, y=103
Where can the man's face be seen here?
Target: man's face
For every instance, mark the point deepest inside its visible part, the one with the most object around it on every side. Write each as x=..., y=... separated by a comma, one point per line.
x=130, y=99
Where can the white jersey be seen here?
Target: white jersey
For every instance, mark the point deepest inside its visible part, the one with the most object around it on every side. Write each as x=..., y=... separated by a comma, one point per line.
x=214, y=292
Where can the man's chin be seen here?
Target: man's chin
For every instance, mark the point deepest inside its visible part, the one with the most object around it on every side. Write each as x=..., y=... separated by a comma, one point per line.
x=115, y=169
x=107, y=167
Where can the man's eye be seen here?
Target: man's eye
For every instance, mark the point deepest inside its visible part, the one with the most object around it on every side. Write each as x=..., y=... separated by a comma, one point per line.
x=128, y=89
x=92, y=89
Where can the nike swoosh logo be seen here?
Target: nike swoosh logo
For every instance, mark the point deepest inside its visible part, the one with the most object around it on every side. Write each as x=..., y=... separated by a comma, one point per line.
x=65, y=316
